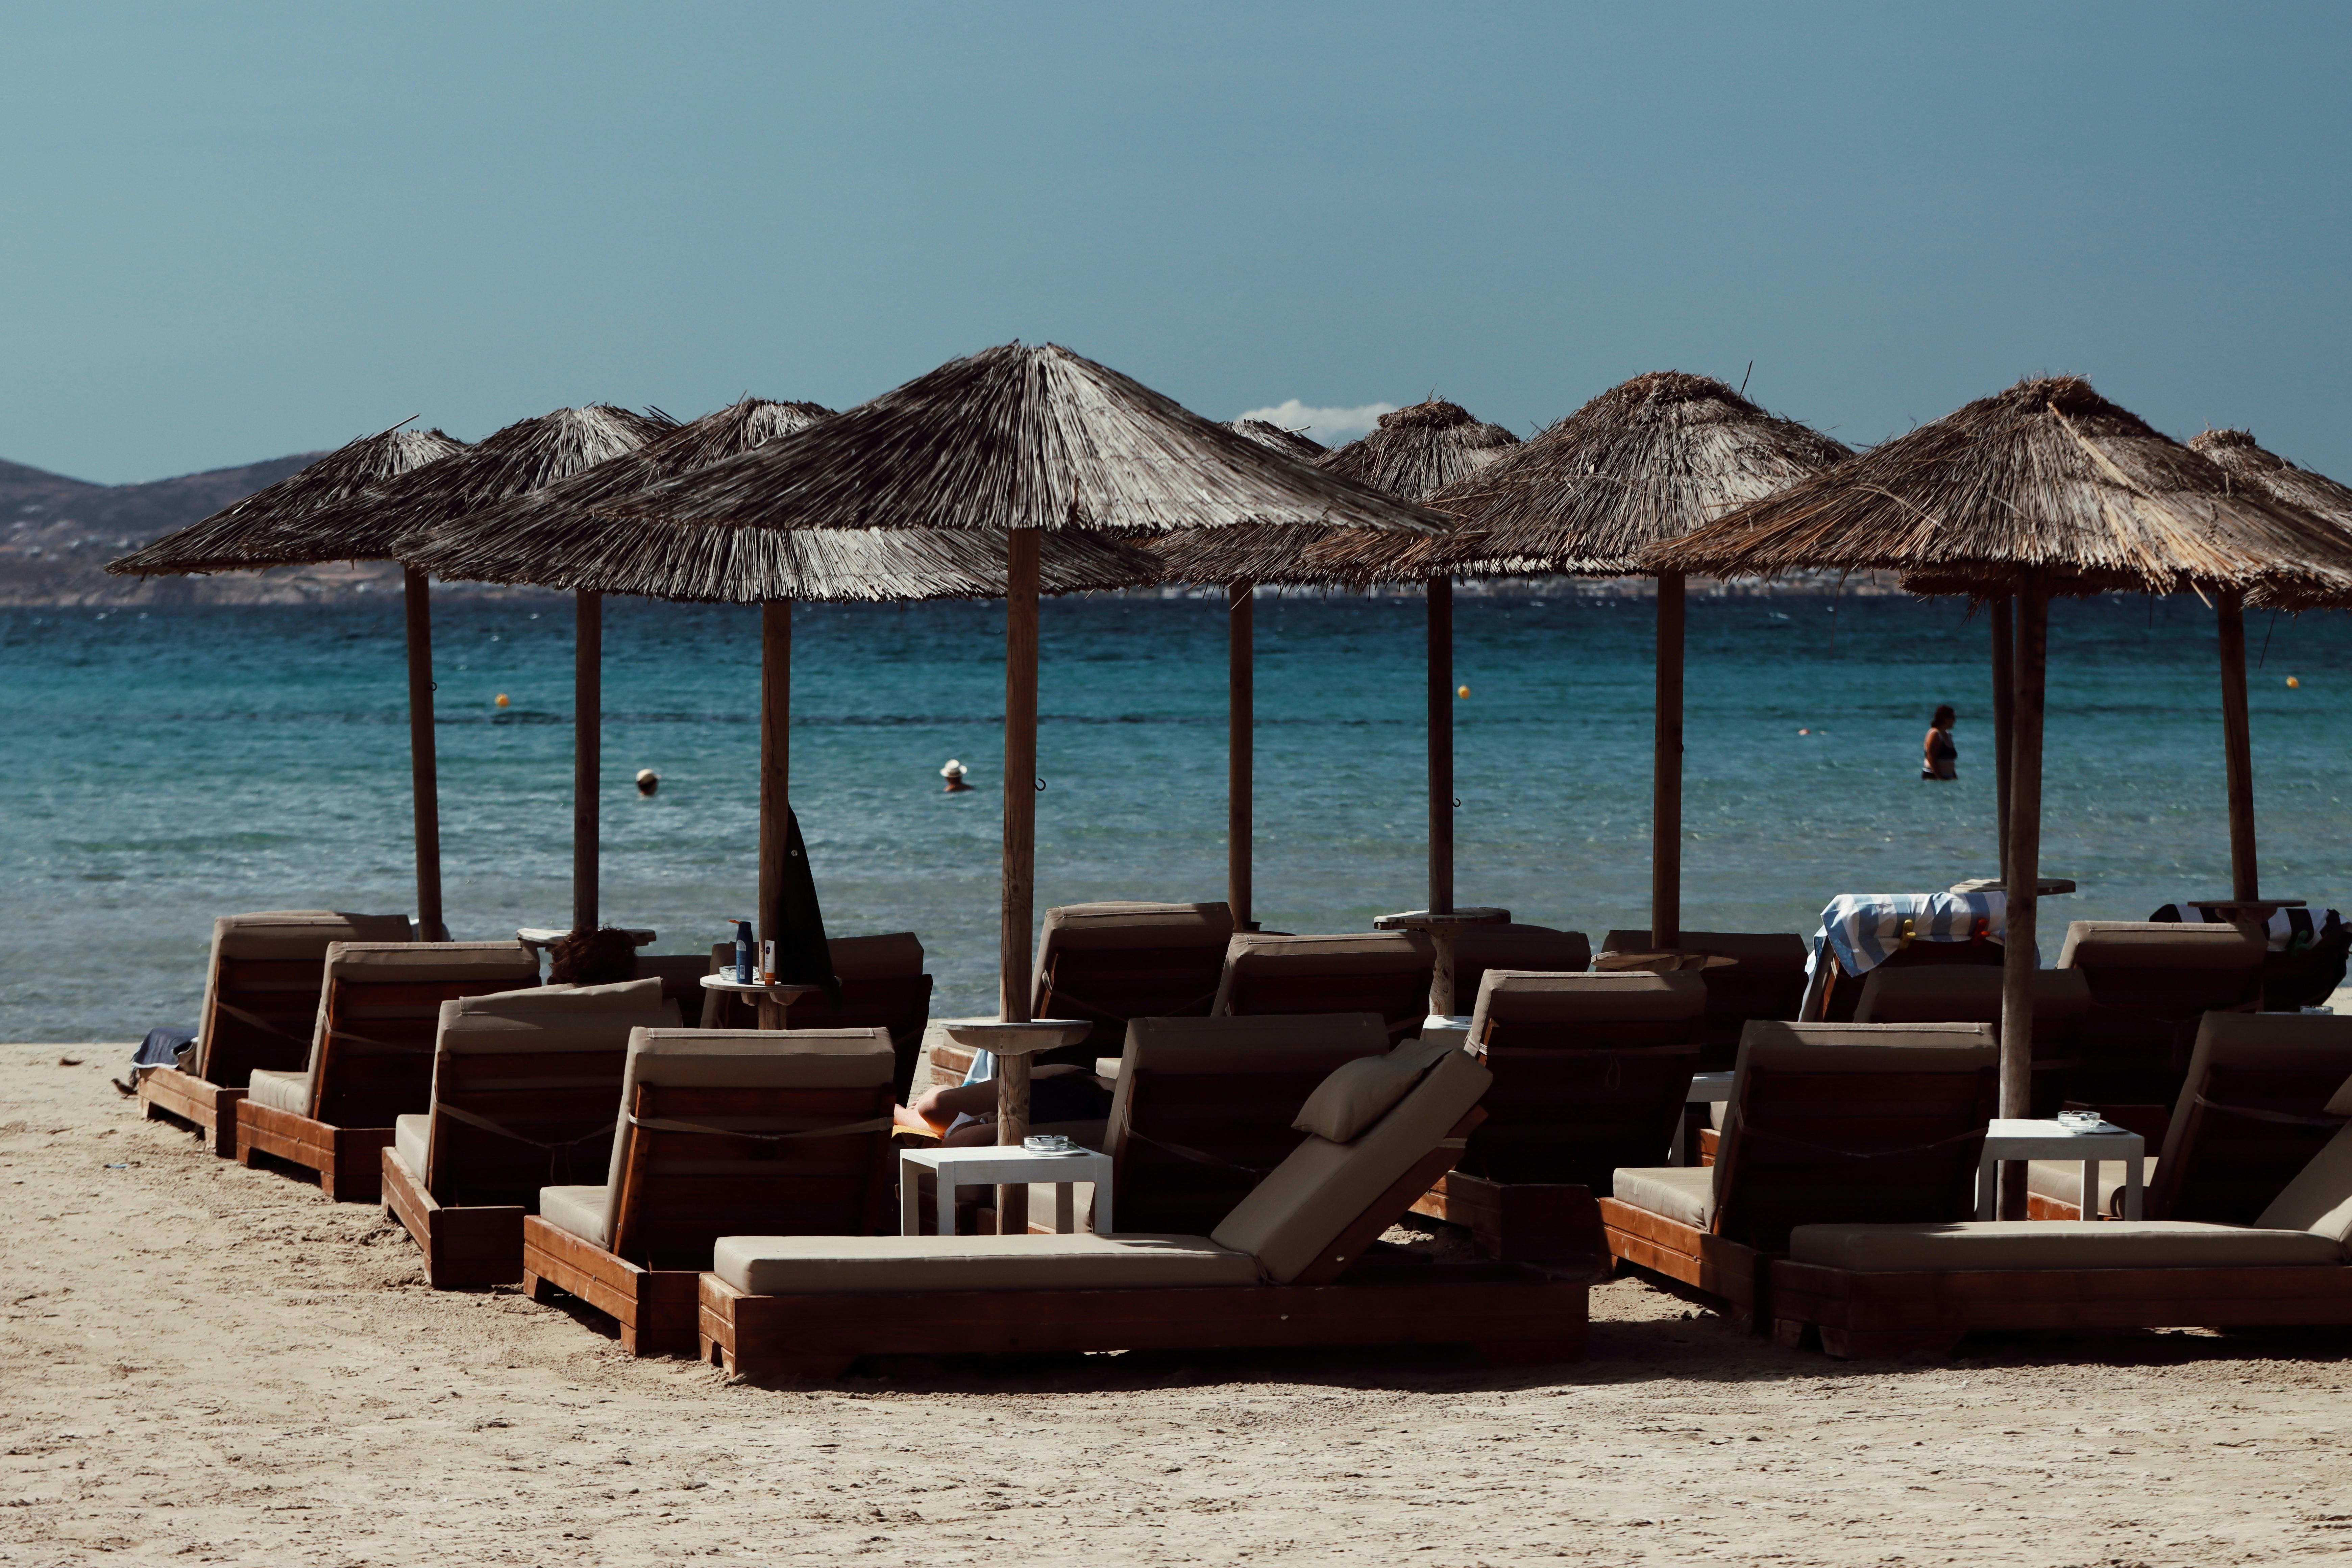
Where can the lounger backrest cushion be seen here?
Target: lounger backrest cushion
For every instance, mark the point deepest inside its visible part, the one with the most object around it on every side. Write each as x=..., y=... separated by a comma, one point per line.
x=682, y=1188
x=1766, y=980
x=1323, y=1188
x=372, y=1051
x=1539, y=949
x=1969, y=993
x=882, y=983
x=2161, y=969
x=1852, y=1123
x=1110, y=963
x=1592, y=1073
x=542, y=1067
x=1370, y=971
x=262, y=985
x=2252, y=1114
x=1204, y=1106
x=2319, y=1198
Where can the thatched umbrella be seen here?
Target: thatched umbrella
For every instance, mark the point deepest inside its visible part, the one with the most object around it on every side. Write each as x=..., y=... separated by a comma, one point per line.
x=522, y=457
x=532, y=537
x=2236, y=454
x=1650, y=460
x=1014, y=446
x=1414, y=453
x=2046, y=488
x=1241, y=676
x=265, y=529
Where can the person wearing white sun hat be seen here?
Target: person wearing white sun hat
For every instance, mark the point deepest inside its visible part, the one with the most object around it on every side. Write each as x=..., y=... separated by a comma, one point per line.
x=953, y=772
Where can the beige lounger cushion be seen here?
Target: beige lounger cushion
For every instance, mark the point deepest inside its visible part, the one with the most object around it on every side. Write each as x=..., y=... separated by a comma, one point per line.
x=2319, y=1199
x=280, y=1091
x=2062, y=1180
x=2158, y=944
x=579, y=1210
x=554, y=1018
x=1289, y=1218
x=417, y=963
x=411, y=1136
x=1360, y=1092
x=1684, y=1193
x=1517, y=995
x=832, y=1264
x=1259, y=1042
x=293, y=934
x=1262, y=957
x=1757, y=953
x=1964, y=994
x=2055, y=1244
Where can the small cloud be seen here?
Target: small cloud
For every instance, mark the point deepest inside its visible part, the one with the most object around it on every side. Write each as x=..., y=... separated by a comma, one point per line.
x=1328, y=426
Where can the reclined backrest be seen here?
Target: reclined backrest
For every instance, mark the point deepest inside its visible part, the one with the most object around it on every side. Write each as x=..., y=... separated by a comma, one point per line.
x=1316, y=1212
x=882, y=985
x=525, y=1086
x=1113, y=962
x=1947, y=995
x=1591, y=1072
x=2253, y=1113
x=371, y=1056
x=1369, y=971
x=1852, y=1123
x=1534, y=949
x=262, y=987
x=1205, y=1106
x=1766, y=980
x=2319, y=1198
x=2157, y=969
x=747, y=1133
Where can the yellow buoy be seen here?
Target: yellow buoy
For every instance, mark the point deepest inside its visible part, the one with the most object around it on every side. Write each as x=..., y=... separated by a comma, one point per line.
x=2291, y=683
x=502, y=698
x=1462, y=691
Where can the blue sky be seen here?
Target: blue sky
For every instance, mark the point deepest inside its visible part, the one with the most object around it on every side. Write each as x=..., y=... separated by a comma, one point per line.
x=229, y=231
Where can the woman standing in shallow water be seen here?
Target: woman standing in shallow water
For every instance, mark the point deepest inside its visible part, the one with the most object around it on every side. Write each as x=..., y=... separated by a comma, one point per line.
x=1939, y=757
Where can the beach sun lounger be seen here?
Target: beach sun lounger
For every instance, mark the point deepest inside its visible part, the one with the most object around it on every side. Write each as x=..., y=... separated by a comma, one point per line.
x=719, y=1134
x=1385, y=972
x=261, y=1003
x=371, y=1056
x=525, y=1087
x=2252, y=1111
x=1827, y=1122
x=2150, y=982
x=1296, y=1262
x=1765, y=980
x=1912, y=1289
x=1534, y=949
x=1114, y=963
x=882, y=985
x=1204, y=1108
x=1592, y=1073
x=1969, y=993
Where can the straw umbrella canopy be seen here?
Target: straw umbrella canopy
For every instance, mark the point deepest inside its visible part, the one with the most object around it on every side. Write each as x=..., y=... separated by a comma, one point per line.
x=531, y=538
x=1650, y=460
x=2265, y=473
x=520, y=459
x=267, y=528
x=567, y=537
x=1015, y=446
x=2044, y=489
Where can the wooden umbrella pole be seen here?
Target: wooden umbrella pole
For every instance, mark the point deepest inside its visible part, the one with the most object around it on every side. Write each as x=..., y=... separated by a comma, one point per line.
x=2238, y=746
x=424, y=778
x=775, y=763
x=587, y=749
x=1666, y=773
x=1241, y=717
x=1440, y=745
x=1013, y=982
x=2018, y=958
x=2004, y=699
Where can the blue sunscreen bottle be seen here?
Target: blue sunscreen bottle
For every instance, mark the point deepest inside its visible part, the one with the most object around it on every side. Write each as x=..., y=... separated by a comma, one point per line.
x=746, y=968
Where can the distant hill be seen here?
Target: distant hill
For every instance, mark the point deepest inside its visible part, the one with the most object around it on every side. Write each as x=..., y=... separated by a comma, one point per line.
x=57, y=534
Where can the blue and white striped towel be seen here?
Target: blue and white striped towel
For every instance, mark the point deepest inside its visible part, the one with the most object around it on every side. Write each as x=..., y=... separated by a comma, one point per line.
x=1862, y=928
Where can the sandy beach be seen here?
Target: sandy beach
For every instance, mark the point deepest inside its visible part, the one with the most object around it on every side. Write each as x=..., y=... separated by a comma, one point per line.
x=202, y=1363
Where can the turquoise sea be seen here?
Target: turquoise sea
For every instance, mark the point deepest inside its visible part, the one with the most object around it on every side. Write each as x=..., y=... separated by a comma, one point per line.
x=166, y=766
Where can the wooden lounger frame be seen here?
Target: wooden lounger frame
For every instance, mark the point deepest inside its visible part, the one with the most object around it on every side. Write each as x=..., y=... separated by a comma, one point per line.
x=656, y=1306
x=247, y=1024
x=1927, y=1313
x=1508, y=1313
x=168, y=1094
x=470, y=1246
x=1539, y=1222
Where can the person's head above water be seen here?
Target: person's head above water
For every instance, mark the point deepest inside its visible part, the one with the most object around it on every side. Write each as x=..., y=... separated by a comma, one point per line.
x=953, y=772
x=600, y=957
x=1944, y=718
x=648, y=781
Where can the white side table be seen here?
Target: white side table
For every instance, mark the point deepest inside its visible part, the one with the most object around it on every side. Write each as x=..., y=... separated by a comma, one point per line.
x=2015, y=1138
x=1706, y=1089
x=988, y=1165
x=772, y=1001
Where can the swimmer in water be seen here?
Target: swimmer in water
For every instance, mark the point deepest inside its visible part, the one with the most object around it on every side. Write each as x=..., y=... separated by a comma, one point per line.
x=953, y=772
x=648, y=781
x=1938, y=758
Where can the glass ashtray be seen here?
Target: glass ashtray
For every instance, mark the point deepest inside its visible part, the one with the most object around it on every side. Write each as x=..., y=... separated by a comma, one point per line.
x=1052, y=1143
x=2082, y=1122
